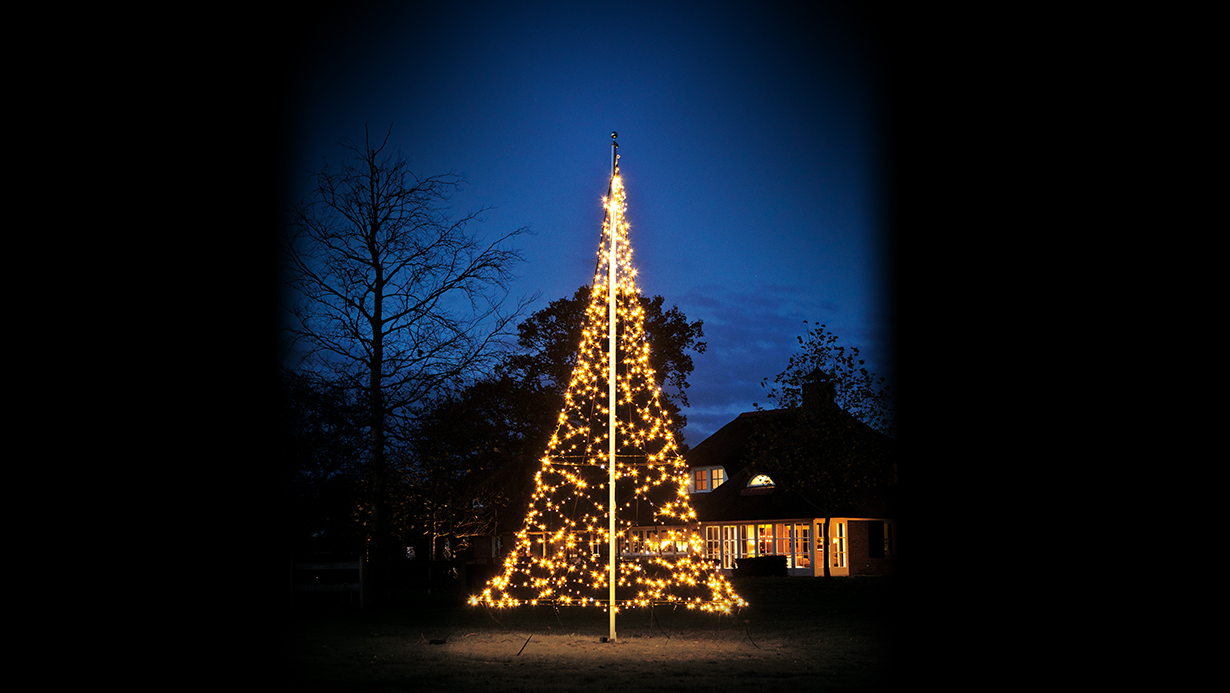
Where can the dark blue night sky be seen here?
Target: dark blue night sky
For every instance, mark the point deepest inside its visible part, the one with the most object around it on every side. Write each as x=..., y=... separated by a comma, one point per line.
x=751, y=143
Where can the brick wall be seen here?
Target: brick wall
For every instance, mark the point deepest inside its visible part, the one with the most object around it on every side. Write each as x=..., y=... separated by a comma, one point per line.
x=859, y=558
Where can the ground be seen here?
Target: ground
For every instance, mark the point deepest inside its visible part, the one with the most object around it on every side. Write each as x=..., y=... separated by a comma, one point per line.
x=797, y=633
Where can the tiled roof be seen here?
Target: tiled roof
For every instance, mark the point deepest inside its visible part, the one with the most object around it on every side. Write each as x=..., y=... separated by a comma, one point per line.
x=734, y=501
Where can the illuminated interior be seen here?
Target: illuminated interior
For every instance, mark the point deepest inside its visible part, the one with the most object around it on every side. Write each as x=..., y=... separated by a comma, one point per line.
x=760, y=480
x=800, y=542
x=705, y=479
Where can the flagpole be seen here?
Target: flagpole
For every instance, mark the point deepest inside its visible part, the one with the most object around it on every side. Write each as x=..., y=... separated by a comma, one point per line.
x=613, y=200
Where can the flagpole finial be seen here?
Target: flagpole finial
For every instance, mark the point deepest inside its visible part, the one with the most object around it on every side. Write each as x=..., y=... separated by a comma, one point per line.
x=614, y=147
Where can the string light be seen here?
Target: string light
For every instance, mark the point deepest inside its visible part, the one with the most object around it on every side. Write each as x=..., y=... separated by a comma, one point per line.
x=558, y=557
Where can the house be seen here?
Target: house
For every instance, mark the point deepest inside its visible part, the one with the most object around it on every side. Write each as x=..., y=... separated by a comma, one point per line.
x=744, y=513
x=741, y=512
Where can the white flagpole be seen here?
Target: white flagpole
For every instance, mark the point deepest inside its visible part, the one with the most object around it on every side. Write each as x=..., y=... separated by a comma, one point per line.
x=611, y=289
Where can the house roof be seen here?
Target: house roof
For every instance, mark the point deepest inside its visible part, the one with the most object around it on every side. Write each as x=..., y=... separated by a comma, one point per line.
x=735, y=501
x=726, y=447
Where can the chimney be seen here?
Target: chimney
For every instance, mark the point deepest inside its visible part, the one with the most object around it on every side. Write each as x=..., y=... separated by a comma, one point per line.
x=819, y=390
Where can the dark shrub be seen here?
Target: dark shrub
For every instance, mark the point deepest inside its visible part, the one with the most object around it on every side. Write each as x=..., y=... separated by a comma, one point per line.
x=764, y=566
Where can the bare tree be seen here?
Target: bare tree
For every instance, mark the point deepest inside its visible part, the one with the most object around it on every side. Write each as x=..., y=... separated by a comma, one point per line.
x=390, y=295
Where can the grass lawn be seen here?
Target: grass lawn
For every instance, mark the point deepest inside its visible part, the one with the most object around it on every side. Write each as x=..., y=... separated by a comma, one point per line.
x=797, y=634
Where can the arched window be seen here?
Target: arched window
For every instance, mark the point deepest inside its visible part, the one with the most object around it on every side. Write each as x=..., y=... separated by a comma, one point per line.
x=760, y=481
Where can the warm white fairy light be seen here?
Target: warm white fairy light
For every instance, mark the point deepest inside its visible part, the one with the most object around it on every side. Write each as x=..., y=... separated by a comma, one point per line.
x=558, y=558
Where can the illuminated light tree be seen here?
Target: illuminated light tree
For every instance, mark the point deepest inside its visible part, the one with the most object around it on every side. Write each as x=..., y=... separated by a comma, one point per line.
x=563, y=553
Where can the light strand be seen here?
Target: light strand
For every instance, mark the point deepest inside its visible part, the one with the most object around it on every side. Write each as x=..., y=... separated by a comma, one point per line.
x=559, y=556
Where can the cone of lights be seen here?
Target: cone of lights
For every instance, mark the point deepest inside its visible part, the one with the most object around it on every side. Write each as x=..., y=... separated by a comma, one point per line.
x=562, y=554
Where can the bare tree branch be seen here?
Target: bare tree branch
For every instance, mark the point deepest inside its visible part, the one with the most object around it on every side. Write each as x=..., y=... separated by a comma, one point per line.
x=390, y=294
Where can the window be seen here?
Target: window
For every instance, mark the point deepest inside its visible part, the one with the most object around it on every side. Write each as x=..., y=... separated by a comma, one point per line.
x=835, y=552
x=760, y=480
x=764, y=534
x=707, y=478
x=536, y=545
x=802, y=546
x=837, y=535
x=646, y=541
x=729, y=543
x=783, y=540
x=713, y=543
x=681, y=540
x=880, y=539
x=730, y=546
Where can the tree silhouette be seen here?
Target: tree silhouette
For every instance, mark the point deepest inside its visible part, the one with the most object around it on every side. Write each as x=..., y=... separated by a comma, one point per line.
x=830, y=440
x=392, y=297
x=548, y=353
x=822, y=362
x=470, y=443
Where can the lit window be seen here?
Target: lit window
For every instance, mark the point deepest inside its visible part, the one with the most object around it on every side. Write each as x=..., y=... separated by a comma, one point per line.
x=760, y=480
x=765, y=540
x=713, y=543
x=802, y=546
x=837, y=534
x=707, y=479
